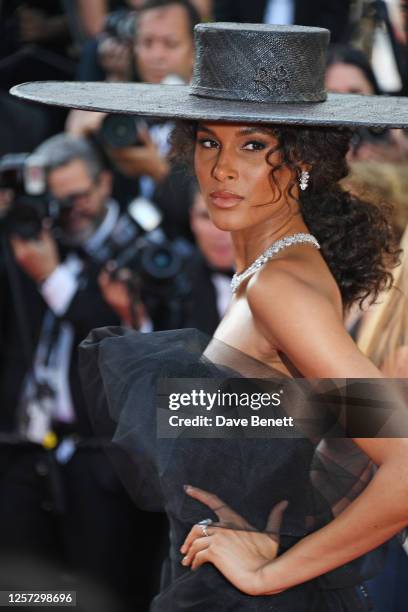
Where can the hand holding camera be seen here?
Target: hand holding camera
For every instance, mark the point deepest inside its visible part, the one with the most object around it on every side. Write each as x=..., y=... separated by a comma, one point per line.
x=27, y=215
x=82, y=123
x=37, y=256
x=141, y=159
x=121, y=290
x=126, y=141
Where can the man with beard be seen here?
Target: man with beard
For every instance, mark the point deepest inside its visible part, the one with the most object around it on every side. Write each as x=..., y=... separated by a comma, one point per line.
x=59, y=497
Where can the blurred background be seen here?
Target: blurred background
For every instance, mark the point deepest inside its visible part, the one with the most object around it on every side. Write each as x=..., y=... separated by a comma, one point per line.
x=98, y=226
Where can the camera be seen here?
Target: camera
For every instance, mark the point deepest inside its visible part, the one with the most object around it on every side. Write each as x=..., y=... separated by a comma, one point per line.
x=120, y=131
x=23, y=175
x=121, y=24
x=157, y=266
x=138, y=243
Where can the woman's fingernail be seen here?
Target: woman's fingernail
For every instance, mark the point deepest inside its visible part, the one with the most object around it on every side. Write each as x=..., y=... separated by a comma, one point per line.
x=184, y=561
x=187, y=487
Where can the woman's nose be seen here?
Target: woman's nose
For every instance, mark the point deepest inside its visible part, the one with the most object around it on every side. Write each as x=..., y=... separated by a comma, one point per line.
x=224, y=168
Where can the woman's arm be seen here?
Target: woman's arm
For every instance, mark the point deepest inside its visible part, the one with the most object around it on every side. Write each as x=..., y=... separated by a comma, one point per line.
x=309, y=331
x=306, y=327
x=248, y=559
x=371, y=519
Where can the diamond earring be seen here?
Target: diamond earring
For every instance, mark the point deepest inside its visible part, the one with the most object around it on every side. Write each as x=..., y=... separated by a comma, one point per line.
x=304, y=180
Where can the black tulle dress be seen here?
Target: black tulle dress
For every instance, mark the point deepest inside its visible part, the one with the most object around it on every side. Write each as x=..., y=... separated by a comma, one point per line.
x=120, y=370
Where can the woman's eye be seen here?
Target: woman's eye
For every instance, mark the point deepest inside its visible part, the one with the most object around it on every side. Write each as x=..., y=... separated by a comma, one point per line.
x=207, y=143
x=255, y=145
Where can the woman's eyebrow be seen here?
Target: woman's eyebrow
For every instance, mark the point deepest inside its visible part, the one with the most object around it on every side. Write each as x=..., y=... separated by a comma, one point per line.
x=202, y=128
x=248, y=131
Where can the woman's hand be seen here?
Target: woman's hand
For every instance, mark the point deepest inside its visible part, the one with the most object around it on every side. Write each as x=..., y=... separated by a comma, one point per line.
x=233, y=546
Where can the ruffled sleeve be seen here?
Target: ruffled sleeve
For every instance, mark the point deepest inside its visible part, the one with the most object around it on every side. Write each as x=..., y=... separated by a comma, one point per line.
x=119, y=371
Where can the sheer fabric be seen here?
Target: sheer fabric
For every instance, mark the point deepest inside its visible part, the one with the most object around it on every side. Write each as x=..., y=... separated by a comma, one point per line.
x=318, y=476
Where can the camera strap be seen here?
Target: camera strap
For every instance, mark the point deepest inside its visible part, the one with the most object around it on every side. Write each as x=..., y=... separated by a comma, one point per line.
x=46, y=394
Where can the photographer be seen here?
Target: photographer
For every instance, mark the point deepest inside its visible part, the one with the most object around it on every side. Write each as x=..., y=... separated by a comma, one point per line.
x=108, y=57
x=163, y=49
x=59, y=497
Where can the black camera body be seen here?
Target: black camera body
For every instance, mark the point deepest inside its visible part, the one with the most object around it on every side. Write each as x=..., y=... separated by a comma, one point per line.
x=137, y=243
x=155, y=261
x=121, y=24
x=119, y=131
x=28, y=204
x=157, y=266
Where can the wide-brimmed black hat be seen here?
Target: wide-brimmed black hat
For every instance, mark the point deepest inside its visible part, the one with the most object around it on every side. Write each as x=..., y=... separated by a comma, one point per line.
x=243, y=73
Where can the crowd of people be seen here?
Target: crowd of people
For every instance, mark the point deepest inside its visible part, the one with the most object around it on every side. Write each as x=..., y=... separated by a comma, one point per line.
x=102, y=225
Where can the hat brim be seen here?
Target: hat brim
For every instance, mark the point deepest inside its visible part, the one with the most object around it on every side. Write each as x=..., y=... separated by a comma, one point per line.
x=176, y=102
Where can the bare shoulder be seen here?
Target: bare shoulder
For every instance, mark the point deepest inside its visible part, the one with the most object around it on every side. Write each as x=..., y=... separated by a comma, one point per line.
x=291, y=284
x=297, y=310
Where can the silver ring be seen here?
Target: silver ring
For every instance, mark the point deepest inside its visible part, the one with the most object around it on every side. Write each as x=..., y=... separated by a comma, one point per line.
x=204, y=530
x=204, y=524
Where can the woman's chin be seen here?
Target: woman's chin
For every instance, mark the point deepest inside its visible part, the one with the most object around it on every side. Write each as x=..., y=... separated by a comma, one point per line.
x=227, y=222
x=228, y=226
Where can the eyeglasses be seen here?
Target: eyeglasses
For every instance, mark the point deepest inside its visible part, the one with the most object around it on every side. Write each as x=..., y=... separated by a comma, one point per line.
x=69, y=200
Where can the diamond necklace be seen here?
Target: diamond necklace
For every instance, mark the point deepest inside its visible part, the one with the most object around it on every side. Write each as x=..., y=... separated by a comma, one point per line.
x=277, y=246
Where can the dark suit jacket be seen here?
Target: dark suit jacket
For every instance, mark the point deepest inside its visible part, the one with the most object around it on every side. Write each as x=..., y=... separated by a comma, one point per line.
x=330, y=14
x=174, y=197
x=203, y=312
x=86, y=311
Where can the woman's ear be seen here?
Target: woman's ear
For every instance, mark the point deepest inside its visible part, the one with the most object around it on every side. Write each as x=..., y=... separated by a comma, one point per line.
x=305, y=167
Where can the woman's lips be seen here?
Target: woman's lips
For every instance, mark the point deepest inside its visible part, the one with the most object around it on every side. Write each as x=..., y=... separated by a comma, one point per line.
x=225, y=199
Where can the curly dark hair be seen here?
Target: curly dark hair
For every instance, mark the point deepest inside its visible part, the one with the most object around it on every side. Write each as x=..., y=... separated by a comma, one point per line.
x=356, y=237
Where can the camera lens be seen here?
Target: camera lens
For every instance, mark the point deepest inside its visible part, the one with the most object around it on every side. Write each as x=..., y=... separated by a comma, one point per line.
x=118, y=131
x=161, y=262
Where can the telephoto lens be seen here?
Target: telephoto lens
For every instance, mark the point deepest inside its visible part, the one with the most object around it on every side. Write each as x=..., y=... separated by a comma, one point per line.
x=119, y=131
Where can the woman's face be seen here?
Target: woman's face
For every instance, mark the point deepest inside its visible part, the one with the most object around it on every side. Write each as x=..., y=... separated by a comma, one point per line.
x=233, y=164
x=345, y=78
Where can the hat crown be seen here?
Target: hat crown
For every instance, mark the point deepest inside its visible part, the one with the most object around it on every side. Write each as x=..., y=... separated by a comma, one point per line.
x=260, y=63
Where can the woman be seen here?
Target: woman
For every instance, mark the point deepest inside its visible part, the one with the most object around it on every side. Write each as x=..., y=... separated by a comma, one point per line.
x=383, y=337
x=377, y=183
x=292, y=518
x=384, y=334
x=233, y=166
x=349, y=71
